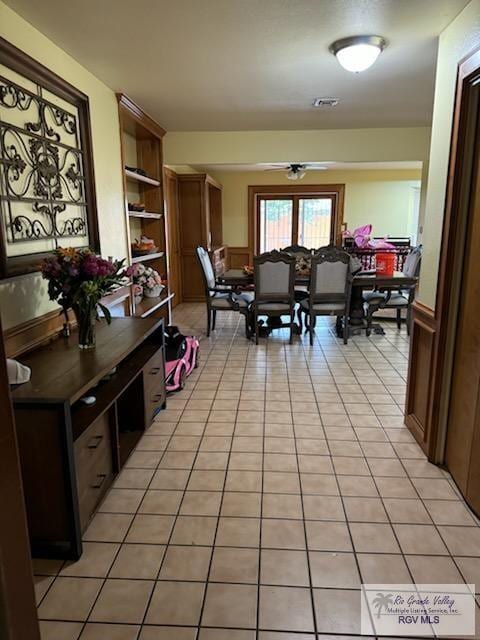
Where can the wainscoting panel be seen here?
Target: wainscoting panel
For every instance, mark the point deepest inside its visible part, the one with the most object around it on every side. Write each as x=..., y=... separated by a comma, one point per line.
x=421, y=375
x=239, y=256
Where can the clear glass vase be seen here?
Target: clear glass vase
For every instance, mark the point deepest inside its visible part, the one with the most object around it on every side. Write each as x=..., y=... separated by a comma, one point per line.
x=86, y=316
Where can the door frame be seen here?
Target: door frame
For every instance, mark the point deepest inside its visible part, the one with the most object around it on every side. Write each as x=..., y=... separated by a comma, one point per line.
x=172, y=224
x=452, y=254
x=337, y=191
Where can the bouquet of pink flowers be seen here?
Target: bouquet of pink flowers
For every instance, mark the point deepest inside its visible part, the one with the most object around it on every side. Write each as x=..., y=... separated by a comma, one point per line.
x=78, y=279
x=145, y=279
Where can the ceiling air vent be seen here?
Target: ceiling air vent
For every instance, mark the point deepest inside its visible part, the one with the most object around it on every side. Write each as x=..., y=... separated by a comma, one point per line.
x=325, y=102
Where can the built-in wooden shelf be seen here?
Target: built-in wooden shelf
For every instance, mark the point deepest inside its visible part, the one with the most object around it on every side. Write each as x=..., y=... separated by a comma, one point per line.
x=142, y=151
x=145, y=214
x=148, y=305
x=149, y=256
x=132, y=175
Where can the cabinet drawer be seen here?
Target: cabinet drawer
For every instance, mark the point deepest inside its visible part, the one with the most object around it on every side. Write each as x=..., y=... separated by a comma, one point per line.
x=154, y=373
x=93, y=464
x=154, y=386
x=153, y=404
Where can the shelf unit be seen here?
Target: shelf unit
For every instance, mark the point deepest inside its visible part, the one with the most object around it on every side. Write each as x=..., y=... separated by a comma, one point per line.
x=138, y=177
x=142, y=148
x=144, y=214
x=148, y=257
x=149, y=305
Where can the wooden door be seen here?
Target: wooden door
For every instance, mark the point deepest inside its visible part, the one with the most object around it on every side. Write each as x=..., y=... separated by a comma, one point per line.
x=172, y=226
x=194, y=231
x=463, y=426
x=18, y=616
x=215, y=214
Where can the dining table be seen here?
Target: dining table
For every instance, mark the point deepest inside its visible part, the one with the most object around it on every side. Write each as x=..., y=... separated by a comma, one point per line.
x=240, y=280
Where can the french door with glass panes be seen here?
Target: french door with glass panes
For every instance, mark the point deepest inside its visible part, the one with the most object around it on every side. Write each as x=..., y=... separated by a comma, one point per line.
x=283, y=220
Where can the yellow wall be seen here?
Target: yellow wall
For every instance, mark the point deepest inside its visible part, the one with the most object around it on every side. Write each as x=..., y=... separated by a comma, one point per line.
x=459, y=38
x=340, y=145
x=25, y=297
x=382, y=198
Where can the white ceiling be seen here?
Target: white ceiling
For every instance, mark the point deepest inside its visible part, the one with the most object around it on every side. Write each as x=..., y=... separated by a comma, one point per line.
x=211, y=65
x=331, y=166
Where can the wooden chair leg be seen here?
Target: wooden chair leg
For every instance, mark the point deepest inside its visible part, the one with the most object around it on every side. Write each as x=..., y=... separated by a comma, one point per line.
x=399, y=319
x=345, y=329
x=292, y=322
x=369, y=321
x=214, y=319
x=256, y=328
x=247, y=326
x=311, y=327
x=209, y=320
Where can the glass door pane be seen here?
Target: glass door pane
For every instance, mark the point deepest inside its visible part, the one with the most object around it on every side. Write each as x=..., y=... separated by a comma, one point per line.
x=315, y=222
x=276, y=219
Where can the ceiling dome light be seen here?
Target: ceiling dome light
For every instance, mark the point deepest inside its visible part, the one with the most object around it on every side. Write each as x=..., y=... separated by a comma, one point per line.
x=358, y=53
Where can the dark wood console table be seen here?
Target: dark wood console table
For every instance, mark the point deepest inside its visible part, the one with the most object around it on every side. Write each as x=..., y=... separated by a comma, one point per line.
x=70, y=452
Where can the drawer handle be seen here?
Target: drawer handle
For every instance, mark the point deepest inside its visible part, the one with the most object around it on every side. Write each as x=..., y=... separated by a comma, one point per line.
x=103, y=477
x=94, y=442
x=154, y=371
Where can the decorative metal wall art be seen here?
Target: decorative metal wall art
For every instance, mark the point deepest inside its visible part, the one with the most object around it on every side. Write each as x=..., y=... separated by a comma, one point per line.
x=40, y=169
x=46, y=185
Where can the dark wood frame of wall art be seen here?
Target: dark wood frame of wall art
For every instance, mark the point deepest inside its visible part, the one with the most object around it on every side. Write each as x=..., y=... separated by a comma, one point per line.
x=433, y=331
x=21, y=63
x=283, y=190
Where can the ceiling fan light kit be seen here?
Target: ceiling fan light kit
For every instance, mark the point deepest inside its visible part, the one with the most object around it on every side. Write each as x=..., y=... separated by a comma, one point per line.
x=358, y=53
x=296, y=173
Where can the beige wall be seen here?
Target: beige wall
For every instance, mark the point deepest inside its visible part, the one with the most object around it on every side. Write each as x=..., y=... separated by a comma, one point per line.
x=459, y=38
x=382, y=198
x=25, y=297
x=340, y=145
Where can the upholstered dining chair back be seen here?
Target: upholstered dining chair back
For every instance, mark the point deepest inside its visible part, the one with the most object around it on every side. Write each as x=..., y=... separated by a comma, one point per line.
x=330, y=277
x=274, y=276
x=297, y=250
x=207, y=269
x=411, y=266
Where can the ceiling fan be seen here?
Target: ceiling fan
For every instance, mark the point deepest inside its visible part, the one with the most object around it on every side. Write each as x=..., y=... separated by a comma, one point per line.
x=296, y=171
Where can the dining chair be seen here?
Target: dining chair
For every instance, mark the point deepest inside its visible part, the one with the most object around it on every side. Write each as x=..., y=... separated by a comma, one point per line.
x=330, y=288
x=302, y=257
x=274, y=280
x=221, y=297
x=388, y=298
x=297, y=250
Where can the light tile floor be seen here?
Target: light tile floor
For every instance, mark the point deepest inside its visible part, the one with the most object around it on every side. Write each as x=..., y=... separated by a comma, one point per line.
x=271, y=487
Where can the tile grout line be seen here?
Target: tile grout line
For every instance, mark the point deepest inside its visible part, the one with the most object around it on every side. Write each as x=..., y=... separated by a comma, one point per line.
x=304, y=522
x=200, y=619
